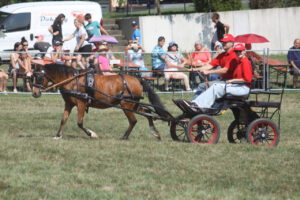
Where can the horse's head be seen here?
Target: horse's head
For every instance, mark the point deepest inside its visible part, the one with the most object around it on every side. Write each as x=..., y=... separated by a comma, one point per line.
x=40, y=82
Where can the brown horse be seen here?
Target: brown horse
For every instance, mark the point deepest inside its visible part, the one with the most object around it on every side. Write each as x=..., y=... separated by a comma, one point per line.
x=108, y=91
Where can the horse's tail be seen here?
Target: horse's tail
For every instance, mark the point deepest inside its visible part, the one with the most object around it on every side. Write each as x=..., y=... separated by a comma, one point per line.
x=155, y=100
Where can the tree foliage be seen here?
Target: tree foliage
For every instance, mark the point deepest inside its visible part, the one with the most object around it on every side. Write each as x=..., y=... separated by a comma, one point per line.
x=217, y=5
x=256, y=4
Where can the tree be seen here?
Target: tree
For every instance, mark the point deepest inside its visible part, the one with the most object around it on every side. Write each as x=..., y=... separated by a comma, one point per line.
x=217, y=5
x=257, y=4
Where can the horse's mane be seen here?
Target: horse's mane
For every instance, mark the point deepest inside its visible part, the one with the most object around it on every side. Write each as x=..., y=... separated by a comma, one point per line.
x=61, y=69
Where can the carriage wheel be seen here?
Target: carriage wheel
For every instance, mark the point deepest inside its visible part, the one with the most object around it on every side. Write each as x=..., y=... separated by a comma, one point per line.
x=236, y=132
x=263, y=132
x=203, y=129
x=178, y=129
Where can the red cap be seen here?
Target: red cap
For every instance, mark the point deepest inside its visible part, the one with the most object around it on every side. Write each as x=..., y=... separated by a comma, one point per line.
x=40, y=36
x=239, y=47
x=227, y=38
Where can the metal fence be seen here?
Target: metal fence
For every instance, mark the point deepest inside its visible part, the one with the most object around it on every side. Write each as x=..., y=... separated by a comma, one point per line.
x=269, y=69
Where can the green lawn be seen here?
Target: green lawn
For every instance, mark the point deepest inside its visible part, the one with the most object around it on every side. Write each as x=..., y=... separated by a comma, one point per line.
x=34, y=166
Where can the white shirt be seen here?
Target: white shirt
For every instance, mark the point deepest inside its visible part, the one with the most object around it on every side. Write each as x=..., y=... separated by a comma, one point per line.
x=78, y=33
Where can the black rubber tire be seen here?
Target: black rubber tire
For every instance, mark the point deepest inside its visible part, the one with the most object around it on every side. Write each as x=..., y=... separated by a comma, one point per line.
x=236, y=132
x=178, y=129
x=203, y=129
x=263, y=131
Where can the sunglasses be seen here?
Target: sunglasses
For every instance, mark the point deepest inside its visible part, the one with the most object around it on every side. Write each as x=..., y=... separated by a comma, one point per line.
x=25, y=45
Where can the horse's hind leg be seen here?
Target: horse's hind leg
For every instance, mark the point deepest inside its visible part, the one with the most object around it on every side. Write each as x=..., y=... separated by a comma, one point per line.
x=132, y=121
x=81, y=109
x=67, y=111
x=153, y=129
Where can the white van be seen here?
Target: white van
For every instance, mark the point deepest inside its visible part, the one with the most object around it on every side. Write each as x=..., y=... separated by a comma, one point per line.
x=32, y=19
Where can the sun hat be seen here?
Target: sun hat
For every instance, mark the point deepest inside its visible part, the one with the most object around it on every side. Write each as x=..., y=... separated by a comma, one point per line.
x=173, y=44
x=227, y=38
x=239, y=47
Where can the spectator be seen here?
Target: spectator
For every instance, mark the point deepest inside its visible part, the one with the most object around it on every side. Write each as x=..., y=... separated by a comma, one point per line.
x=217, y=49
x=220, y=29
x=25, y=68
x=93, y=27
x=25, y=44
x=158, y=56
x=136, y=56
x=175, y=61
x=104, y=61
x=41, y=45
x=136, y=35
x=15, y=64
x=3, y=80
x=82, y=45
x=55, y=29
x=198, y=58
x=226, y=60
x=241, y=73
x=294, y=60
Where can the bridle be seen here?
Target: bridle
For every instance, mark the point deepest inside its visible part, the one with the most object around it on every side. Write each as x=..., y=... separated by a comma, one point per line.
x=39, y=79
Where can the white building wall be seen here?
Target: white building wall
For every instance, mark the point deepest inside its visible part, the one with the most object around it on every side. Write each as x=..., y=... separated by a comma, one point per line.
x=279, y=25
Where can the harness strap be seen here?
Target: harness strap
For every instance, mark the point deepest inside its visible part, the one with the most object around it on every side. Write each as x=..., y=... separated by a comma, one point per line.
x=125, y=87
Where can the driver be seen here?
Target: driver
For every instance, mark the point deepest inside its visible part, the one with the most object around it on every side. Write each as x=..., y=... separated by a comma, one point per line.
x=238, y=85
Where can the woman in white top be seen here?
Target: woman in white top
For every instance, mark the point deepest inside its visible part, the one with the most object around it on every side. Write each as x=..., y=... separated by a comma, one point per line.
x=15, y=64
x=175, y=61
x=82, y=45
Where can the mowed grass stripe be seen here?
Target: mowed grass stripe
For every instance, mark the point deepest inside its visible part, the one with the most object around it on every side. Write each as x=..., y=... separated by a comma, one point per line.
x=34, y=166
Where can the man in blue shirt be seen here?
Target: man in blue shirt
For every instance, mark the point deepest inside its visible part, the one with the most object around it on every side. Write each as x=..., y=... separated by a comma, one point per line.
x=294, y=59
x=136, y=35
x=158, y=56
x=93, y=27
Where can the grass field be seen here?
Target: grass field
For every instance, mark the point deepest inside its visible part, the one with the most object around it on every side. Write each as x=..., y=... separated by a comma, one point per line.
x=34, y=166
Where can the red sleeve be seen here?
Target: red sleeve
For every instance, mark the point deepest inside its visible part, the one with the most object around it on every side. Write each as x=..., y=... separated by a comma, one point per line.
x=247, y=70
x=215, y=62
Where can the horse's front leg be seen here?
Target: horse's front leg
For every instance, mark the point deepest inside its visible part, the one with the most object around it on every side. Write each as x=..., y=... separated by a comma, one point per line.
x=67, y=111
x=81, y=109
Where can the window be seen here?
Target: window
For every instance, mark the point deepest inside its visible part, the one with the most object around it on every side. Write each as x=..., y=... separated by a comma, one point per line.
x=3, y=16
x=17, y=22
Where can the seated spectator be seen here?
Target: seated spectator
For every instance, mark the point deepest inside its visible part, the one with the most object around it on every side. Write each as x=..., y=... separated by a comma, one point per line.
x=217, y=49
x=41, y=45
x=237, y=85
x=175, y=61
x=14, y=66
x=158, y=57
x=103, y=60
x=136, y=56
x=25, y=68
x=56, y=54
x=25, y=44
x=254, y=58
x=3, y=81
x=198, y=58
x=294, y=60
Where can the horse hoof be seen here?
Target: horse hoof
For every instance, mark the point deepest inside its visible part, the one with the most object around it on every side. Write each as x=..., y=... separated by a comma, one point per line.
x=157, y=136
x=57, y=137
x=93, y=134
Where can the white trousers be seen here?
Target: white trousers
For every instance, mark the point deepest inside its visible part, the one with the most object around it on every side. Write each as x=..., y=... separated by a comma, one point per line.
x=217, y=91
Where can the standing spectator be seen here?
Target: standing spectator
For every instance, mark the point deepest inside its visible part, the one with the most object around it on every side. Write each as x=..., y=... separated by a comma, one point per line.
x=3, y=80
x=93, y=27
x=55, y=29
x=136, y=35
x=198, y=58
x=175, y=61
x=15, y=64
x=294, y=60
x=158, y=56
x=82, y=45
x=41, y=45
x=220, y=29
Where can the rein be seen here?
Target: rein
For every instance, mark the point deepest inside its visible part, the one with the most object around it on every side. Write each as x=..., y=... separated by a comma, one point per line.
x=63, y=82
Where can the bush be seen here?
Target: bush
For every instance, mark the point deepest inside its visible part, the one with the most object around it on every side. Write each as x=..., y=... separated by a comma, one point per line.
x=256, y=4
x=217, y=5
